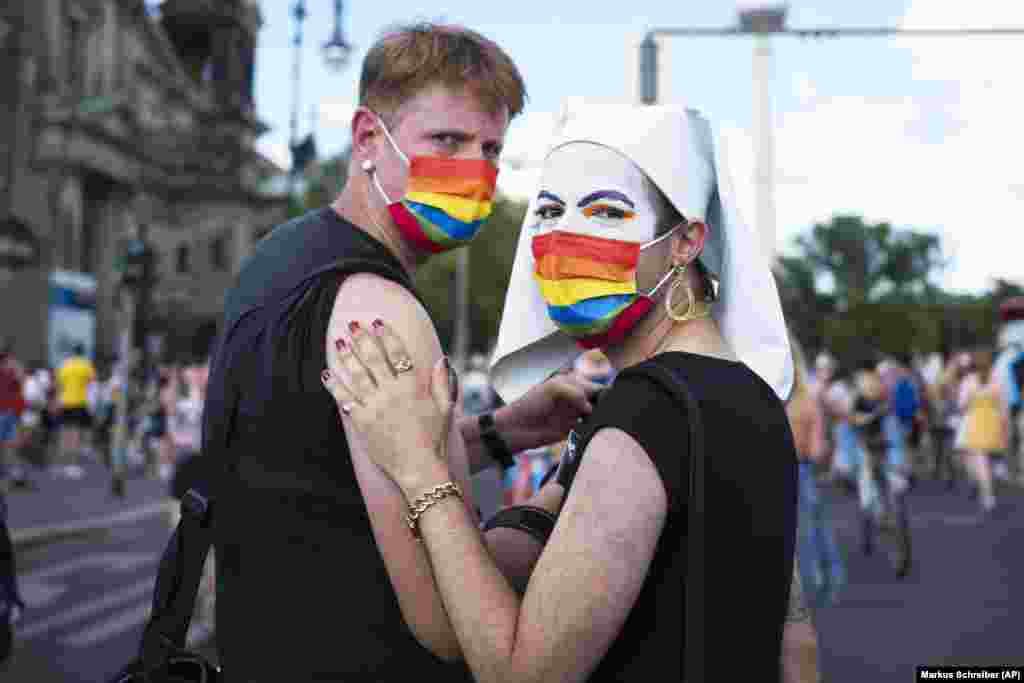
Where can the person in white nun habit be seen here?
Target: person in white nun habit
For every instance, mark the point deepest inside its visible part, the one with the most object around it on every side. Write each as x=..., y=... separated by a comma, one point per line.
x=632, y=245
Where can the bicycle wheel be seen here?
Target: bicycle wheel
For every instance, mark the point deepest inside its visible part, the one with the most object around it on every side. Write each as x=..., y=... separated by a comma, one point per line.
x=894, y=533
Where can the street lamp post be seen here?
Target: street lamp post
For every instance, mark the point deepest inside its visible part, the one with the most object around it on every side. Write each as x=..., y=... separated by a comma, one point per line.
x=299, y=14
x=336, y=53
x=337, y=50
x=763, y=22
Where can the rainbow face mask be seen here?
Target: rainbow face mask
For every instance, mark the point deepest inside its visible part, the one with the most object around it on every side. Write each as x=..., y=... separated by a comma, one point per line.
x=589, y=285
x=446, y=202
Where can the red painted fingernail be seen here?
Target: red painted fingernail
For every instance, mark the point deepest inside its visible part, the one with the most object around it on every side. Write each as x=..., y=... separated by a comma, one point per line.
x=339, y=344
x=353, y=327
x=325, y=375
x=378, y=323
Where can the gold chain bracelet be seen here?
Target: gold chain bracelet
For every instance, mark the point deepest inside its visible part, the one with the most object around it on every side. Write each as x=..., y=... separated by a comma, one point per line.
x=420, y=505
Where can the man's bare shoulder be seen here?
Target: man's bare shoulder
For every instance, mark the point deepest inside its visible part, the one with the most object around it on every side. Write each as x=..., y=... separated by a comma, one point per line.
x=365, y=297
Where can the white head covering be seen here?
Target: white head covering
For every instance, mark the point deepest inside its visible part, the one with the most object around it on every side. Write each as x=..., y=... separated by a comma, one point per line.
x=676, y=148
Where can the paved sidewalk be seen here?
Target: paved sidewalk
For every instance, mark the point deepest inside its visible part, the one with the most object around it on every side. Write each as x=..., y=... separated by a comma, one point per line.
x=64, y=503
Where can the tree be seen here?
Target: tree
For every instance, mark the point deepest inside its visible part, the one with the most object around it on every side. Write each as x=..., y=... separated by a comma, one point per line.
x=865, y=263
x=857, y=289
x=323, y=181
x=805, y=306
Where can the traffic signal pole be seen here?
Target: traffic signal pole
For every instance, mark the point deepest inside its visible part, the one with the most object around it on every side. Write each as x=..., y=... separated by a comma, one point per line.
x=122, y=436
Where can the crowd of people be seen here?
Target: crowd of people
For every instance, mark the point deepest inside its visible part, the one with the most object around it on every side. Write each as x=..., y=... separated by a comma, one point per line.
x=345, y=547
x=54, y=419
x=955, y=417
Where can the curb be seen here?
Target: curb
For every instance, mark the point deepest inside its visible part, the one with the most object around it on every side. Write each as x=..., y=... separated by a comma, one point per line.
x=36, y=536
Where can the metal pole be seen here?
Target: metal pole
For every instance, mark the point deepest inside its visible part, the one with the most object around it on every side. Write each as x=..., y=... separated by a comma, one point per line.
x=299, y=12
x=836, y=32
x=764, y=171
x=460, y=344
x=122, y=437
x=648, y=70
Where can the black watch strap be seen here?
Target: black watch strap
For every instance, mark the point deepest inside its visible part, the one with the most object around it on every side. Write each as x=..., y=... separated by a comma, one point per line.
x=499, y=450
x=535, y=521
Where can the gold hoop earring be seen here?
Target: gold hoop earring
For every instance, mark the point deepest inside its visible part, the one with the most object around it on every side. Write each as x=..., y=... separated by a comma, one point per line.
x=693, y=310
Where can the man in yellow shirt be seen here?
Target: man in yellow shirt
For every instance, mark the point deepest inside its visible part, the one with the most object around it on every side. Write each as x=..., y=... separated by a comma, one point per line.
x=74, y=376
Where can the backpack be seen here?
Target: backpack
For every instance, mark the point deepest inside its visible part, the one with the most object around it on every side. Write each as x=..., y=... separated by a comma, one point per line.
x=905, y=402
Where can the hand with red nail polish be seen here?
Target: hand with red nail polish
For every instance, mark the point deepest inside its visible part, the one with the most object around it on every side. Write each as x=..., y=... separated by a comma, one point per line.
x=404, y=424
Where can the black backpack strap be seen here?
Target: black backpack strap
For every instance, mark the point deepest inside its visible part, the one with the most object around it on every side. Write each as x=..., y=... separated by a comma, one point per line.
x=177, y=582
x=673, y=384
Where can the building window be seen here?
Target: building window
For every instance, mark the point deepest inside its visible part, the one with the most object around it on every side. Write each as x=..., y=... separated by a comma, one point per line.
x=181, y=265
x=218, y=253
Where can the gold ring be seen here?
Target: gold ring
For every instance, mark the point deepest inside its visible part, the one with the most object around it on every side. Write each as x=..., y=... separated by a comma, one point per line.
x=403, y=365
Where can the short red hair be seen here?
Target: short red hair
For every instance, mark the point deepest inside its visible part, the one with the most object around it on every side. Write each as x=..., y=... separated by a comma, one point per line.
x=409, y=58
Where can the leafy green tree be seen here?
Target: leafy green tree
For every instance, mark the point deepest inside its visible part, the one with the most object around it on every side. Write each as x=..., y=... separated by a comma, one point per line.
x=857, y=289
x=323, y=181
x=867, y=263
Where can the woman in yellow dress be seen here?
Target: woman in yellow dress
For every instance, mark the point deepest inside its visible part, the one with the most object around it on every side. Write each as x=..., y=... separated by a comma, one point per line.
x=985, y=425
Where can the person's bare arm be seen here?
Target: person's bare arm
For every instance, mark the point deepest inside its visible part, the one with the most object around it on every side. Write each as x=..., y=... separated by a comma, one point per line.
x=364, y=298
x=583, y=586
x=799, y=638
x=543, y=416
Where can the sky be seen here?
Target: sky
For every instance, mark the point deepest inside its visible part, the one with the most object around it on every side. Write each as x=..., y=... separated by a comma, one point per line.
x=923, y=133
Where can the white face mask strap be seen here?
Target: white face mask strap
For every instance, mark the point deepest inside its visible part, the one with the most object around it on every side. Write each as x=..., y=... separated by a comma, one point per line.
x=670, y=270
x=376, y=181
x=371, y=168
x=661, y=282
x=387, y=134
x=659, y=239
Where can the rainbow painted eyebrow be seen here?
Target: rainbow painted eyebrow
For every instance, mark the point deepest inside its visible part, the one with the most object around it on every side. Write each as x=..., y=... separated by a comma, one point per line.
x=605, y=194
x=544, y=194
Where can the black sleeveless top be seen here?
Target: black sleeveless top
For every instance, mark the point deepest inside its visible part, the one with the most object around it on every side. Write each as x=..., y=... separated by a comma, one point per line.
x=750, y=498
x=304, y=594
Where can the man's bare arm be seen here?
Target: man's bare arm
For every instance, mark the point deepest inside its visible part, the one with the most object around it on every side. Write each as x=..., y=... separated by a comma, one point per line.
x=363, y=298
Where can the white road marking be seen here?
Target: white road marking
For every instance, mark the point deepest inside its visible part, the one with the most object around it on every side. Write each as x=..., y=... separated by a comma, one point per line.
x=122, y=562
x=38, y=595
x=88, y=609
x=104, y=630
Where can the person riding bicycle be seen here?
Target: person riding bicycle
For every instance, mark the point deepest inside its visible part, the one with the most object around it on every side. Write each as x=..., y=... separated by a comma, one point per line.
x=870, y=409
x=882, y=484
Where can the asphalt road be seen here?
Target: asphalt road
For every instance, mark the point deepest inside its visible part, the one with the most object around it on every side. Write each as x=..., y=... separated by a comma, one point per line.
x=88, y=600
x=961, y=605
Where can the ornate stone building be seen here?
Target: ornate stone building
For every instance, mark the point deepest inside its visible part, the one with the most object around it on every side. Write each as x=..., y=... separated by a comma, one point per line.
x=119, y=114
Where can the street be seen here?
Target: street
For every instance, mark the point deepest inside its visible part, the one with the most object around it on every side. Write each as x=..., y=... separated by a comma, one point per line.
x=87, y=593
x=87, y=602
x=959, y=606
x=89, y=596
